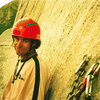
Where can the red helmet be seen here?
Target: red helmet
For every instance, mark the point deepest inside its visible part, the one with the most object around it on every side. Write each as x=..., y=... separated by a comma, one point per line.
x=26, y=28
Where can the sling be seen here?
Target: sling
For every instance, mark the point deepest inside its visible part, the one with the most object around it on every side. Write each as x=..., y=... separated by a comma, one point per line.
x=37, y=78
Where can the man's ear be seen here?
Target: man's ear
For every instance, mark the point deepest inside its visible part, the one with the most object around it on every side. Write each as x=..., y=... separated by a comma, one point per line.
x=33, y=45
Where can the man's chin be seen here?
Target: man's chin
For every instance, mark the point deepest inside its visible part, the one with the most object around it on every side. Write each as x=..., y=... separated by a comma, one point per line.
x=19, y=54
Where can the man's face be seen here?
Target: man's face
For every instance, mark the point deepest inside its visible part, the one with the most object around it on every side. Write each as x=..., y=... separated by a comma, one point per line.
x=22, y=46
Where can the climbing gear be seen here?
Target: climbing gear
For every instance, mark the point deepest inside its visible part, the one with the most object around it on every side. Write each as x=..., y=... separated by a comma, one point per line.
x=37, y=75
x=88, y=89
x=26, y=28
x=91, y=75
x=87, y=83
x=86, y=59
x=79, y=73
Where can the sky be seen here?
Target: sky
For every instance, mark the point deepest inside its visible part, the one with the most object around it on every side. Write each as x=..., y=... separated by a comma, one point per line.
x=3, y=2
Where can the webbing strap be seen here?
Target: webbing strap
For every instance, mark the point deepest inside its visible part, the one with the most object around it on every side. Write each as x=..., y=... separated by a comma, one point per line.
x=37, y=78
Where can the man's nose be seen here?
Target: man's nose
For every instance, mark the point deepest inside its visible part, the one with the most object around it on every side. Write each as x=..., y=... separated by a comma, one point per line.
x=19, y=43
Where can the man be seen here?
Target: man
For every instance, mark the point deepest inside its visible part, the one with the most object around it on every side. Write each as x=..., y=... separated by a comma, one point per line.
x=31, y=77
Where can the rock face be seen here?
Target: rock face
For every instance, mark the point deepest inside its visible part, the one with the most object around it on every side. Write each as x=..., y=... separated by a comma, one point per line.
x=7, y=15
x=69, y=30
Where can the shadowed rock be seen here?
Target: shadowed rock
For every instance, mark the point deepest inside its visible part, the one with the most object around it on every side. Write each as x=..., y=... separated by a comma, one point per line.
x=7, y=15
